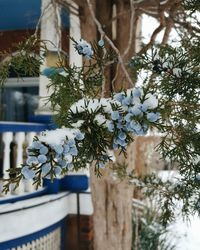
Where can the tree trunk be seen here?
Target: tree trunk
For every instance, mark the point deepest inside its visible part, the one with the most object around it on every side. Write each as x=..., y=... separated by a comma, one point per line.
x=112, y=201
x=112, y=197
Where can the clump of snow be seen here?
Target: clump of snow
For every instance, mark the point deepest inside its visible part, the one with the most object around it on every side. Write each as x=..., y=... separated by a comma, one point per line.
x=106, y=104
x=91, y=105
x=84, y=48
x=198, y=176
x=57, y=136
x=123, y=100
x=77, y=124
x=79, y=106
x=151, y=101
x=177, y=72
x=100, y=119
x=111, y=155
x=63, y=73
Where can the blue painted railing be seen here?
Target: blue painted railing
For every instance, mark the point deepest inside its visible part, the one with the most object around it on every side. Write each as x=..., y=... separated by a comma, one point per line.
x=25, y=196
x=19, y=242
x=72, y=183
x=32, y=239
x=22, y=127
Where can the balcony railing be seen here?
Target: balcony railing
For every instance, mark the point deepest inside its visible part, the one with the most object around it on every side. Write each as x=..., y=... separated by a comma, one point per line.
x=25, y=224
x=15, y=137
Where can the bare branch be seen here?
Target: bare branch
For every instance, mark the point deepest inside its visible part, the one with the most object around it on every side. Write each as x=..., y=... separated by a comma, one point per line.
x=168, y=29
x=169, y=22
x=101, y=31
x=154, y=34
x=69, y=6
x=187, y=26
x=131, y=29
x=56, y=21
x=40, y=19
x=153, y=4
x=80, y=3
x=171, y=7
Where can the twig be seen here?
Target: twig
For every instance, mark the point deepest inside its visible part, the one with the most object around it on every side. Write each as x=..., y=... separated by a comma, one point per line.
x=170, y=23
x=69, y=6
x=54, y=3
x=57, y=23
x=131, y=30
x=152, y=39
x=99, y=26
x=187, y=26
x=40, y=19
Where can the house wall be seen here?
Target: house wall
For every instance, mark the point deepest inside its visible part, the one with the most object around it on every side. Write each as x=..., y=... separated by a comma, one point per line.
x=9, y=39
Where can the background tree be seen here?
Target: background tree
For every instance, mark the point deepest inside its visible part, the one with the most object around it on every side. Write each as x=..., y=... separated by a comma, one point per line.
x=119, y=23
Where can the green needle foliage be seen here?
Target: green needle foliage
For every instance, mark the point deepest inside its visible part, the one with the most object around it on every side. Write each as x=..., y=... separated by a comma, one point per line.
x=25, y=62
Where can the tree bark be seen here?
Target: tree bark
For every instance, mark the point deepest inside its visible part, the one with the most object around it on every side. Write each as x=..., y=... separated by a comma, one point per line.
x=112, y=197
x=112, y=201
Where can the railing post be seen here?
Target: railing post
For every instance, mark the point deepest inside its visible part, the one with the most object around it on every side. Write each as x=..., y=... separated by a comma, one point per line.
x=19, y=140
x=24, y=133
x=7, y=139
x=28, y=185
x=29, y=137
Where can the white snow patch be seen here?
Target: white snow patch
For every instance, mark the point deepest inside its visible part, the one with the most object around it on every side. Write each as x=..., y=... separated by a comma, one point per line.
x=185, y=234
x=100, y=119
x=91, y=105
x=77, y=124
x=111, y=154
x=177, y=72
x=57, y=136
x=151, y=101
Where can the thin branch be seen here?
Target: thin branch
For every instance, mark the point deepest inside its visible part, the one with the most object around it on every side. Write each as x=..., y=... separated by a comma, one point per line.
x=80, y=3
x=188, y=26
x=149, y=13
x=40, y=19
x=153, y=4
x=153, y=38
x=167, y=32
x=170, y=23
x=171, y=7
x=69, y=6
x=103, y=34
x=57, y=22
x=115, y=77
x=153, y=8
x=131, y=29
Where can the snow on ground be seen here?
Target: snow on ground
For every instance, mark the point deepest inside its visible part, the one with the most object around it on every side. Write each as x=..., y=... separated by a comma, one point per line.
x=186, y=235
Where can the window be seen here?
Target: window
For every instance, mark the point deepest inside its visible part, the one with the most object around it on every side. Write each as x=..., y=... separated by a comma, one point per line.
x=18, y=100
